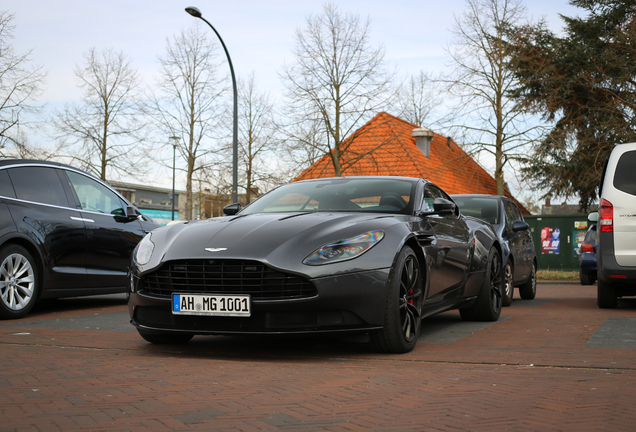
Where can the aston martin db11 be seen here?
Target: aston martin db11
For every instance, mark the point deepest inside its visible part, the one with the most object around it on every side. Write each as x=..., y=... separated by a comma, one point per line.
x=357, y=254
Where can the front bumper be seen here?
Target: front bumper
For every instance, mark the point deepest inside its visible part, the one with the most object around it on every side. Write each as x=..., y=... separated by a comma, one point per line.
x=348, y=302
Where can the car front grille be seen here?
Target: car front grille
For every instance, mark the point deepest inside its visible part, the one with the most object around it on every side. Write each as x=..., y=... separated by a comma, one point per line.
x=226, y=277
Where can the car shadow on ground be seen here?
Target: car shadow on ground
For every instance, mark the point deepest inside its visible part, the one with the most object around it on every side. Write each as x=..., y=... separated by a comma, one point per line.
x=443, y=328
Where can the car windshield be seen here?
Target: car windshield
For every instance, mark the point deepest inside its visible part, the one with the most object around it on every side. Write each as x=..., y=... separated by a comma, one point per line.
x=345, y=195
x=484, y=208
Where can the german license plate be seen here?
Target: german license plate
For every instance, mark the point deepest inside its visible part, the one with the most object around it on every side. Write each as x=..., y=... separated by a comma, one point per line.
x=237, y=305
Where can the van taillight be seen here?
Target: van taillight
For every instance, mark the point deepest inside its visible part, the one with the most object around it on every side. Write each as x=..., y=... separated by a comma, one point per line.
x=607, y=216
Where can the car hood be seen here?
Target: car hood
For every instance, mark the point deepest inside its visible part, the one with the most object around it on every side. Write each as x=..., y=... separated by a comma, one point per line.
x=283, y=240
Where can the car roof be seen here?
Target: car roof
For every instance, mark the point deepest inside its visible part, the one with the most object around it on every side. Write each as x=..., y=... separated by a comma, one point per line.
x=414, y=179
x=4, y=162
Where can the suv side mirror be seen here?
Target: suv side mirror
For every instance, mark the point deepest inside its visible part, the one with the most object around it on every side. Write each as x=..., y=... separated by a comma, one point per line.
x=131, y=214
x=593, y=217
x=231, y=209
x=519, y=226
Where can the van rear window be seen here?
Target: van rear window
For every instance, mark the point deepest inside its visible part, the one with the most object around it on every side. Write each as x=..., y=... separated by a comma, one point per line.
x=625, y=176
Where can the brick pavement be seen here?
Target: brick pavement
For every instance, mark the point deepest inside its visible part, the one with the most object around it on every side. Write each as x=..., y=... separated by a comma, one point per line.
x=548, y=364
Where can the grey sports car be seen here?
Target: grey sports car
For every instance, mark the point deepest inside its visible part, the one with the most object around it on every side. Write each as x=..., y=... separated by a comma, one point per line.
x=358, y=254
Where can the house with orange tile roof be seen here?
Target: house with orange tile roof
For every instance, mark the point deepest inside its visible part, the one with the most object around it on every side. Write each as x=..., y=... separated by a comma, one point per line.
x=387, y=145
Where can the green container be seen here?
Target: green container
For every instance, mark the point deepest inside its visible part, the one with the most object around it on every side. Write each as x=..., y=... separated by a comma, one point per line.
x=557, y=240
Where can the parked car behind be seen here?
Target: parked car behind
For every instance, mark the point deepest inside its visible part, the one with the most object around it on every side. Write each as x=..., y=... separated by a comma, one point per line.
x=587, y=259
x=616, y=236
x=518, y=257
x=63, y=233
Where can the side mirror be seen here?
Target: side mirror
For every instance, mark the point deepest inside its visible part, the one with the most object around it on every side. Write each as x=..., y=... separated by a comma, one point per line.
x=519, y=226
x=593, y=217
x=131, y=212
x=443, y=206
x=231, y=209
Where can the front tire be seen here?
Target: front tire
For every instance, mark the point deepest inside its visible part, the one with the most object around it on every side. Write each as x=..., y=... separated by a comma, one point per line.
x=403, y=310
x=166, y=338
x=487, y=307
x=509, y=286
x=18, y=282
x=528, y=291
x=606, y=295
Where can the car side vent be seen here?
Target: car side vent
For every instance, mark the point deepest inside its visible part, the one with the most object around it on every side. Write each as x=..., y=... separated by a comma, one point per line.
x=226, y=277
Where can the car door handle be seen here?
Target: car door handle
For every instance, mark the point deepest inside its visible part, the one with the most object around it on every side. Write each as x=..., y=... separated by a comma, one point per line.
x=82, y=219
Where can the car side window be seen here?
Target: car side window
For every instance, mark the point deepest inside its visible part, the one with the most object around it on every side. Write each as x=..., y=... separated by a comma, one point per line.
x=6, y=188
x=38, y=184
x=94, y=196
x=517, y=213
x=438, y=193
x=510, y=215
x=428, y=200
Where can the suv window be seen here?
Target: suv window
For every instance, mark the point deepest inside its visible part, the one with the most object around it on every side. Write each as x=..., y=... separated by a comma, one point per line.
x=38, y=184
x=94, y=196
x=509, y=208
x=624, y=177
x=6, y=188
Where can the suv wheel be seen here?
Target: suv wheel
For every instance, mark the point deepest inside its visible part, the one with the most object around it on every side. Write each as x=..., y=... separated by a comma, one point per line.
x=606, y=295
x=18, y=282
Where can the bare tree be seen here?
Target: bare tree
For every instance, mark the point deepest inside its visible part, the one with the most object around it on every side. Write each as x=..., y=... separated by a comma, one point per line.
x=417, y=99
x=20, y=84
x=337, y=82
x=257, y=137
x=103, y=132
x=487, y=119
x=190, y=104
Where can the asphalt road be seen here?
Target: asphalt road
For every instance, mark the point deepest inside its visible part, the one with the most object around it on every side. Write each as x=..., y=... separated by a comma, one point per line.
x=554, y=363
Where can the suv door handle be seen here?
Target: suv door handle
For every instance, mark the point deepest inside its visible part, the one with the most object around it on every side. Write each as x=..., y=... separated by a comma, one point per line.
x=82, y=219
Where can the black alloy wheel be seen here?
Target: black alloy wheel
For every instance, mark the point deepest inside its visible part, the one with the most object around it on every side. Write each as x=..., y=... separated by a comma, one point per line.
x=403, y=313
x=509, y=287
x=487, y=306
x=528, y=290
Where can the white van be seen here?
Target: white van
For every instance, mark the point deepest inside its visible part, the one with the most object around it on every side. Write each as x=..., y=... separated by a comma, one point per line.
x=616, y=229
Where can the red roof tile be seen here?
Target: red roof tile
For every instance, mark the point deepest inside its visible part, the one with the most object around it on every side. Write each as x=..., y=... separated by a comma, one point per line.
x=384, y=146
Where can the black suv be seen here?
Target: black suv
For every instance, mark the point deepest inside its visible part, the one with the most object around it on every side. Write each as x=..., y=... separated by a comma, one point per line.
x=518, y=255
x=63, y=233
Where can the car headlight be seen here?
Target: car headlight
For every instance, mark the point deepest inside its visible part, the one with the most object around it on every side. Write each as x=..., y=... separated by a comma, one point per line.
x=343, y=250
x=144, y=250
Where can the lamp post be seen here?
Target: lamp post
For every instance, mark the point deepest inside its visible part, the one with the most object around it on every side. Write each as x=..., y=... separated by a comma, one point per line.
x=175, y=143
x=197, y=14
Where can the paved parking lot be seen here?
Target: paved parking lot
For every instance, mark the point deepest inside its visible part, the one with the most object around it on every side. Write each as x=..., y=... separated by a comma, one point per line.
x=554, y=363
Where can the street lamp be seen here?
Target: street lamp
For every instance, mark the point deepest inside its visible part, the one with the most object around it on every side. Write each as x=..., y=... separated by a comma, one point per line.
x=197, y=14
x=175, y=143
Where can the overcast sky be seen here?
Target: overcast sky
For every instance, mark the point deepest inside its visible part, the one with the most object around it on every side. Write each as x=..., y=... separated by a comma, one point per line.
x=259, y=34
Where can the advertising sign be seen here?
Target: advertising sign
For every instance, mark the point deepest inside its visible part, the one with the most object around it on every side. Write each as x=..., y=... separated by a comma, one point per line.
x=579, y=237
x=550, y=241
